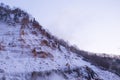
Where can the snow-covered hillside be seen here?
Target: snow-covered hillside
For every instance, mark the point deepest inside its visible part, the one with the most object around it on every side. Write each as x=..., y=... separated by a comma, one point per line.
x=28, y=52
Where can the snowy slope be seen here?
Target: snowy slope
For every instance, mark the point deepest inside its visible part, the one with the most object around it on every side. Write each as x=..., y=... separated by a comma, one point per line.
x=27, y=53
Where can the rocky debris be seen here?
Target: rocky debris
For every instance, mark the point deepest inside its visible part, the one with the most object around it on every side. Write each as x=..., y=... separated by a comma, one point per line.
x=42, y=54
x=82, y=73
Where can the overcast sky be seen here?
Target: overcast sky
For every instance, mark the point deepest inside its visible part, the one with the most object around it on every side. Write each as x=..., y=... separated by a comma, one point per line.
x=92, y=25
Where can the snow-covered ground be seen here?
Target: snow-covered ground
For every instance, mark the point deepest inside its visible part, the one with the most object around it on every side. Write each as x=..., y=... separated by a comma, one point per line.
x=16, y=56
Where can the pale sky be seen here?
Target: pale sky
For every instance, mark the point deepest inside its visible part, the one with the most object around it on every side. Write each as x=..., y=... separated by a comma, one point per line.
x=92, y=25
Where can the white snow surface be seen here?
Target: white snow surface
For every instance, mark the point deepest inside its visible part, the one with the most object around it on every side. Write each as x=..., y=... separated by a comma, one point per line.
x=17, y=59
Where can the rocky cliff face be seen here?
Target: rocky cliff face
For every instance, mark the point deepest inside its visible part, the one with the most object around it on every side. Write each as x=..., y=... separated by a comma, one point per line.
x=29, y=52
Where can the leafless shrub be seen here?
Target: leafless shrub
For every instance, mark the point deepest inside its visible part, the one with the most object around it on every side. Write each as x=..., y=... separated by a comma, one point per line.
x=44, y=43
x=34, y=33
x=34, y=52
x=25, y=22
x=2, y=47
